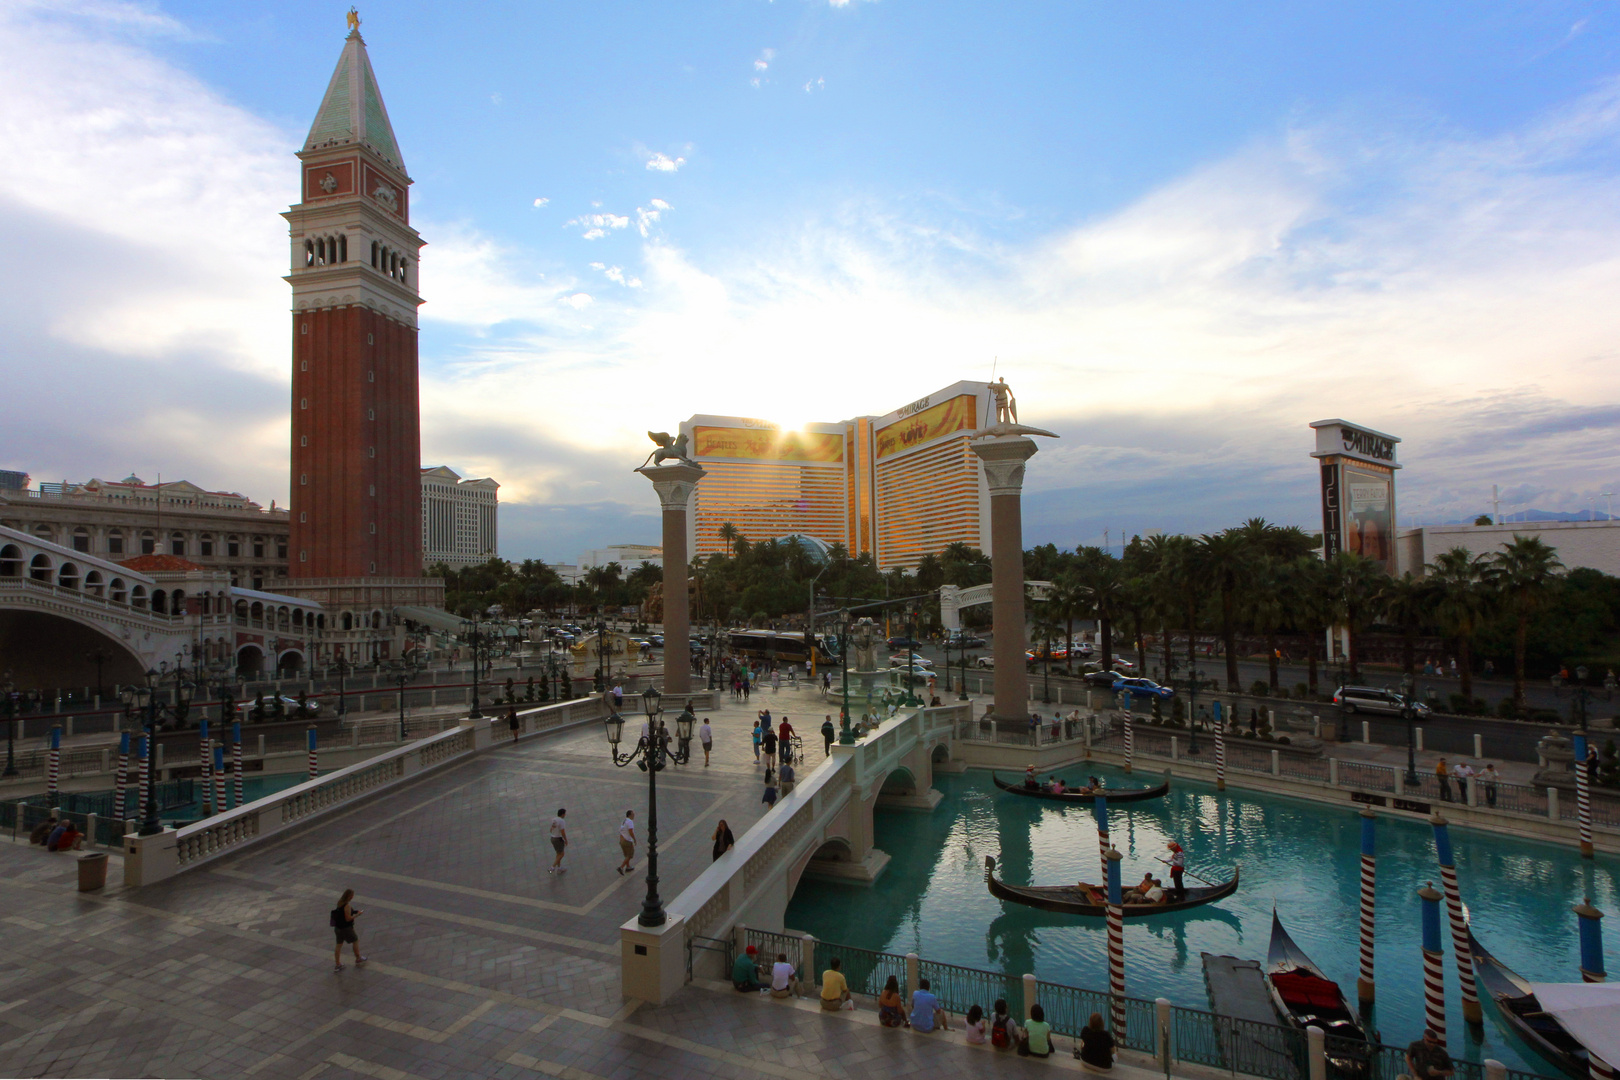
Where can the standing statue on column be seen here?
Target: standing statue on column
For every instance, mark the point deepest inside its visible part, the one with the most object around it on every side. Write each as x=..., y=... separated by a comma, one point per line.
x=1006, y=404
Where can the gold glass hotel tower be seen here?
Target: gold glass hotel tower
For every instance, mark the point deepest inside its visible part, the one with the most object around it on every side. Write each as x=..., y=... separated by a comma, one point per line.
x=900, y=486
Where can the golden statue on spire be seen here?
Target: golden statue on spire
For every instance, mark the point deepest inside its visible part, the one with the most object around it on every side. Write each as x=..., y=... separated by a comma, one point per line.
x=354, y=20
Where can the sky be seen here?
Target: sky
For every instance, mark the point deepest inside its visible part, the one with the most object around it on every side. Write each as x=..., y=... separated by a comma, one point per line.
x=1181, y=233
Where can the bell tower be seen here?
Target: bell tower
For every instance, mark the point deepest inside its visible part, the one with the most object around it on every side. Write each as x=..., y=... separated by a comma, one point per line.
x=356, y=505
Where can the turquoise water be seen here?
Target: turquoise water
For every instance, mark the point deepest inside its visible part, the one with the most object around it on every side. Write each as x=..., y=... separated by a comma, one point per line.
x=1302, y=857
x=253, y=787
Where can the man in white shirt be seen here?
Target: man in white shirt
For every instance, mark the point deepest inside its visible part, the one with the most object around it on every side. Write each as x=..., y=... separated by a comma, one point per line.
x=784, y=983
x=706, y=737
x=559, y=840
x=1154, y=895
x=1463, y=773
x=627, y=840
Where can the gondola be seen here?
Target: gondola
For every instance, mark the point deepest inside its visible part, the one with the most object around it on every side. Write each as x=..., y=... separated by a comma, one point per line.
x=1076, y=899
x=1519, y=1007
x=1121, y=796
x=1306, y=997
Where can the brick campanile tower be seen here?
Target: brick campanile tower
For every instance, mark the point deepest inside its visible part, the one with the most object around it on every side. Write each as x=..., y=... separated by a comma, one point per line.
x=356, y=506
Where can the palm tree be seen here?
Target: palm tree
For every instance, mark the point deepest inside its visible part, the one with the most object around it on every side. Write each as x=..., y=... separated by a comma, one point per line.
x=1408, y=602
x=1461, y=605
x=1524, y=574
x=1308, y=598
x=1067, y=601
x=729, y=533
x=1103, y=582
x=1265, y=608
x=1226, y=556
x=1354, y=581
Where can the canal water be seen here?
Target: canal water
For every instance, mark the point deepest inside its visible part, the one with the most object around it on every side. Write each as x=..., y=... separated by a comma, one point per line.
x=1302, y=857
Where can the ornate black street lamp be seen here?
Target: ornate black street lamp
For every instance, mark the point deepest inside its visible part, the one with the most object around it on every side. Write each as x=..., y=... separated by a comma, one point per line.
x=8, y=707
x=1409, y=714
x=651, y=753
x=343, y=701
x=601, y=658
x=145, y=698
x=911, y=697
x=402, y=679
x=475, y=638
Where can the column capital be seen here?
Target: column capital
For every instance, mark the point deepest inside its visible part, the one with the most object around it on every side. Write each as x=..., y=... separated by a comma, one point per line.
x=674, y=483
x=1004, y=458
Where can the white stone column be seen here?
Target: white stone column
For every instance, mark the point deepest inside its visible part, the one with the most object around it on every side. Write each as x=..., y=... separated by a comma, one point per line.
x=1004, y=457
x=675, y=484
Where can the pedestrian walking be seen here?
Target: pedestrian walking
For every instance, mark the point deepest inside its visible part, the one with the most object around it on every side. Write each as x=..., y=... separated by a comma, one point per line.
x=559, y=840
x=756, y=736
x=745, y=687
x=627, y=840
x=723, y=840
x=706, y=737
x=776, y=682
x=513, y=722
x=784, y=735
x=342, y=920
x=769, y=798
x=767, y=743
x=787, y=778
x=828, y=733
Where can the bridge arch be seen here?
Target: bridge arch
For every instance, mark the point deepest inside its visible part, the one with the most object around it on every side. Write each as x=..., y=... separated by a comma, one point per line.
x=160, y=602
x=40, y=567
x=901, y=781
x=249, y=660
x=137, y=597
x=94, y=583
x=289, y=663
x=11, y=561
x=45, y=649
x=68, y=576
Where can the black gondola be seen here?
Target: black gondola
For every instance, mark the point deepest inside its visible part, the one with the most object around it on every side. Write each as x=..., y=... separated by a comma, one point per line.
x=1306, y=997
x=1519, y=1007
x=1121, y=796
x=1080, y=899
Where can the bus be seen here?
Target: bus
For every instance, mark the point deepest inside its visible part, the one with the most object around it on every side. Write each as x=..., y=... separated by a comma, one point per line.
x=786, y=646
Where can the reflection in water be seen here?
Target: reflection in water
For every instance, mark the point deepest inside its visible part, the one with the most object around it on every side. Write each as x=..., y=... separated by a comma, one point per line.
x=1304, y=858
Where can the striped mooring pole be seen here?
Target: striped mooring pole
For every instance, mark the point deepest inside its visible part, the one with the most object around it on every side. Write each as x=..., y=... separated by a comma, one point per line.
x=1459, y=926
x=1434, y=971
x=1369, y=873
x=203, y=752
x=1220, y=747
x=236, y=757
x=1597, y=1068
x=1116, y=947
x=121, y=775
x=1099, y=806
x=56, y=764
x=219, y=777
x=1130, y=742
x=143, y=752
x=1583, y=795
x=1591, y=942
x=313, y=768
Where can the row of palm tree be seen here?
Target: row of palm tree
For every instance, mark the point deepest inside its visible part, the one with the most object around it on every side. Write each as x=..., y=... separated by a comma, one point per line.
x=1259, y=580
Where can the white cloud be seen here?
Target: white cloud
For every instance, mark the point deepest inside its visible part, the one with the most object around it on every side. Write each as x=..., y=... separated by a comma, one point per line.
x=577, y=301
x=645, y=218
x=815, y=84
x=664, y=163
x=598, y=225
x=660, y=204
x=538, y=203
x=495, y=98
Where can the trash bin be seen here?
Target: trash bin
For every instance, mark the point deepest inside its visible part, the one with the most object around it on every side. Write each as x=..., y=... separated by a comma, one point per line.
x=92, y=871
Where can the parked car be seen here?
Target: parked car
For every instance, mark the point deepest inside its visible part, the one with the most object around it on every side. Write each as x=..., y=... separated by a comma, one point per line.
x=288, y=704
x=1084, y=651
x=900, y=661
x=964, y=641
x=904, y=643
x=1143, y=686
x=656, y=640
x=1371, y=699
x=985, y=661
x=1100, y=678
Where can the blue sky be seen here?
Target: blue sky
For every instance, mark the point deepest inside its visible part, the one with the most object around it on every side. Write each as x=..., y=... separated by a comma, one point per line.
x=1182, y=231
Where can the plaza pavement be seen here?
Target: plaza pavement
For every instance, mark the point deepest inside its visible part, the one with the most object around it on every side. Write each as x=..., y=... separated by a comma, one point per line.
x=481, y=965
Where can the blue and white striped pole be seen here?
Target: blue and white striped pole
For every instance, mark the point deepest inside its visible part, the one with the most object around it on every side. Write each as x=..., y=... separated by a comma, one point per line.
x=1459, y=929
x=1220, y=747
x=122, y=776
x=236, y=757
x=1434, y=972
x=141, y=781
x=207, y=759
x=219, y=778
x=1583, y=796
x=313, y=769
x=1369, y=872
x=1591, y=942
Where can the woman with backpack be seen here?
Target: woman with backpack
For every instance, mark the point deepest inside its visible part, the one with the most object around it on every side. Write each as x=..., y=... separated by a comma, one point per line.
x=342, y=919
x=1004, y=1033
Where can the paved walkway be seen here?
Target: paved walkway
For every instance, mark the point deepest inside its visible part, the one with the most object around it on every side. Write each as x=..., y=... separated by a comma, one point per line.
x=480, y=964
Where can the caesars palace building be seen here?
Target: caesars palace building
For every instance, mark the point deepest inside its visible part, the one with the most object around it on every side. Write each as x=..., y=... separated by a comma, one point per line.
x=898, y=486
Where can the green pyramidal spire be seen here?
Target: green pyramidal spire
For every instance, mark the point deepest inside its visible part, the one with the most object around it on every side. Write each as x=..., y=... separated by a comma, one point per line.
x=352, y=110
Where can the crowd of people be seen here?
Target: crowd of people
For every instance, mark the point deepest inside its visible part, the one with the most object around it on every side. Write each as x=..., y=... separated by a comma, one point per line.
x=779, y=978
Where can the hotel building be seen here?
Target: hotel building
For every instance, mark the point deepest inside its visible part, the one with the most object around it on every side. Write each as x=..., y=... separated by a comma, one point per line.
x=900, y=486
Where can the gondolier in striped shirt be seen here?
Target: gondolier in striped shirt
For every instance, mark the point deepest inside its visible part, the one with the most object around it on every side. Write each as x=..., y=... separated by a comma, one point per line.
x=1178, y=866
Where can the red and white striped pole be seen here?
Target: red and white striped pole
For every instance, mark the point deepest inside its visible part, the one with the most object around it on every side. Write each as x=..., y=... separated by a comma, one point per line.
x=1130, y=742
x=1459, y=926
x=313, y=764
x=219, y=777
x=203, y=745
x=1099, y=806
x=236, y=757
x=1220, y=748
x=1583, y=792
x=1364, y=983
x=56, y=764
x=1597, y=1068
x=1116, y=948
x=119, y=777
x=140, y=782
x=1434, y=973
